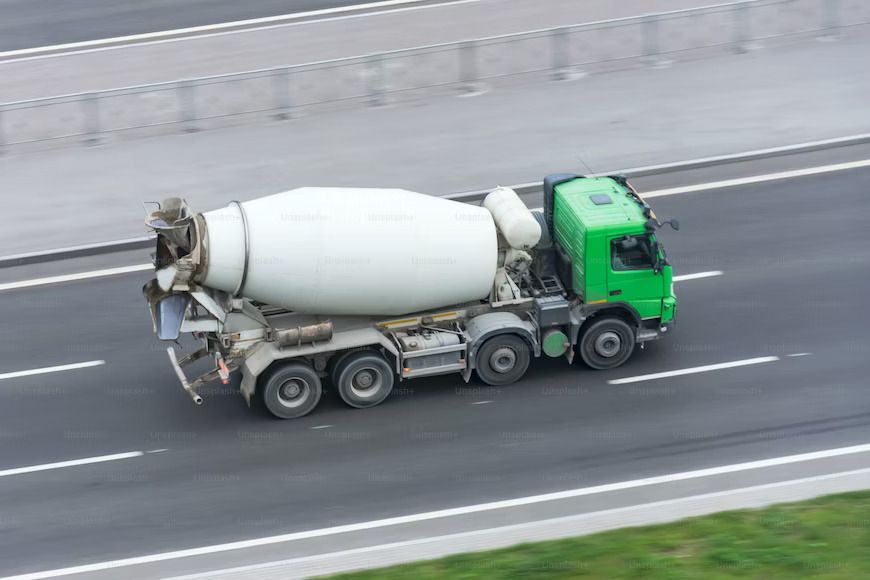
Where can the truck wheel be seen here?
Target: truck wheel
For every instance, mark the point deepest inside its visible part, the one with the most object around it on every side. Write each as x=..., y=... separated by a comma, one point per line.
x=607, y=344
x=363, y=379
x=503, y=360
x=291, y=390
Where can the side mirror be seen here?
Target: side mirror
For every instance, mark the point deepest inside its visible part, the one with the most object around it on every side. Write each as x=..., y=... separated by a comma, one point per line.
x=652, y=224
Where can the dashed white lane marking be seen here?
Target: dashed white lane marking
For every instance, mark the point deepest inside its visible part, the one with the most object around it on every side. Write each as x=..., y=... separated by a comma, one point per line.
x=693, y=370
x=143, y=267
x=75, y=462
x=44, y=370
x=697, y=275
x=424, y=516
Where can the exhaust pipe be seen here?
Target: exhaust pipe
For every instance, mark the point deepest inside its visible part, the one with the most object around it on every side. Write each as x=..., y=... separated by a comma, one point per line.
x=305, y=334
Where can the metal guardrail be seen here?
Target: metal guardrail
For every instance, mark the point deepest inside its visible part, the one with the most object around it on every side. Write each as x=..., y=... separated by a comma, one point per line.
x=564, y=52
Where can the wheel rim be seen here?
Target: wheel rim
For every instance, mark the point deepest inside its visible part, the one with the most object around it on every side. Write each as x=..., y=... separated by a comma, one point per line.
x=503, y=360
x=608, y=344
x=293, y=392
x=366, y=382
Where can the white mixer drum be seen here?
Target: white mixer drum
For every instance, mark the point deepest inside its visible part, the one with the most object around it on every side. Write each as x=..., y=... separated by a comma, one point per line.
x=352, y=251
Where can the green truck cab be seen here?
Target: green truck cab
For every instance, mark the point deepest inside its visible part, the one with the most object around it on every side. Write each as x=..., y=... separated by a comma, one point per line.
x=611, y=263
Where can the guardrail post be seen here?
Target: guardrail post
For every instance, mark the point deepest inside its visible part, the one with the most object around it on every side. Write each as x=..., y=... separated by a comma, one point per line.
x=281, y=94
x=742, y=28
x=651, y=39
x=375, y=72
x=186, y=105
x=561, y=49
x=91, y=118
x=831, y=25
x=2, y=133
x=468, y=76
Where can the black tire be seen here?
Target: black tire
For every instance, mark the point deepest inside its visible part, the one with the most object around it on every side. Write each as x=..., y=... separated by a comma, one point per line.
x=363, y=379
x=503, y=360
x=291, y=390
x=607, y=343
x=332, y=367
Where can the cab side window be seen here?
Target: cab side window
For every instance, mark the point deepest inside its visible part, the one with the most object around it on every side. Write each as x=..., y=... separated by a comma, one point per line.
x=631, y=253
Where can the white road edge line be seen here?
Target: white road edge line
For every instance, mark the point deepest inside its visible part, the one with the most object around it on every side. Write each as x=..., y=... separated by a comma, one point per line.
x=509, y=529
x=73, y=277
x=143, y=267
x=55, y=369
x=693, y=370
x=651, y=194
x=510, y=503
x=758, y=178
x=72, y=463
x=223, y=28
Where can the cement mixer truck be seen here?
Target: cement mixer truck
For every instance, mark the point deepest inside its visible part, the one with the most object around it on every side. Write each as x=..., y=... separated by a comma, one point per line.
x=362, y=288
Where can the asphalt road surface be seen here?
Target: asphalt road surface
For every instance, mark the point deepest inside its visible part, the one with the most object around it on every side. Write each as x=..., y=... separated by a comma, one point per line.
x=37, y=23
x=794, y=258
x=31, y=23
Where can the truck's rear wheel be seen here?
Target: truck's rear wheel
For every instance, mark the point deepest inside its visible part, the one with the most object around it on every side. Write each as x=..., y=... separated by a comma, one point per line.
x=291, y=390
x=503, y=360
x=363, y=379
x=607, y=344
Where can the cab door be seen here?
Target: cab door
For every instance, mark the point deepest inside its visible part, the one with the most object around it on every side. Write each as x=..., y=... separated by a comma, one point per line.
x=630, y=275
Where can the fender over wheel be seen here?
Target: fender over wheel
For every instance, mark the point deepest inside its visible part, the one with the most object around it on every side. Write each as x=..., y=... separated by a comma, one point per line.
x=502, y=359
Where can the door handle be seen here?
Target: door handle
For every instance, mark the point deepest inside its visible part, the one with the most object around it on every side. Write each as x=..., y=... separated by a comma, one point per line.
x=615, y=292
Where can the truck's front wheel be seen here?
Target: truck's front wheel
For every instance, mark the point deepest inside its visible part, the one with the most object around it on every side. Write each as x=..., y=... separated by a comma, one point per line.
x=503, y=360
x=363, y=379
x=607, y=344
x=291, y=390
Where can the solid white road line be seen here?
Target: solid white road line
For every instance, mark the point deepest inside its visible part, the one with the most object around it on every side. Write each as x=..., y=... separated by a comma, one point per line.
x=383, y=555
x=71, y=463
x=757, y=179
x=73, y=277
x=657, y=193
x=419, y=517
x=224, y=28
x=57, y=369
x=693, y=370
